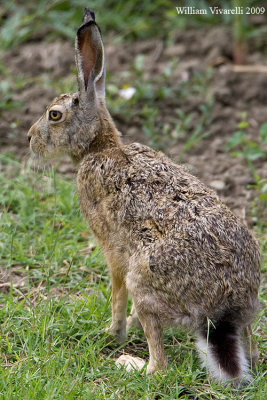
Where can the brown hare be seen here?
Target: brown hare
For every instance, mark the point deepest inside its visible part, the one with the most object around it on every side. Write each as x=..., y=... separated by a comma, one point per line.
x=169, y=242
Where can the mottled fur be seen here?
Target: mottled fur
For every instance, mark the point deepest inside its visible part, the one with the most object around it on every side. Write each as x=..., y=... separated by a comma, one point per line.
x=168, y=240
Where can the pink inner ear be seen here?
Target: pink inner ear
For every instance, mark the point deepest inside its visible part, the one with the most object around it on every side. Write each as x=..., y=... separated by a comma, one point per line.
x=88, y=55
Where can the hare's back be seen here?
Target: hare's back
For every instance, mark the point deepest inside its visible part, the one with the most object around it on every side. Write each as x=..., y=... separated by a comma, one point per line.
x=152, y=200
x=141, y=184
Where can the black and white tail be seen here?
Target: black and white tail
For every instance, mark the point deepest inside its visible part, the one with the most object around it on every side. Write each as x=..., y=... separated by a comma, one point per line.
x=222, y=353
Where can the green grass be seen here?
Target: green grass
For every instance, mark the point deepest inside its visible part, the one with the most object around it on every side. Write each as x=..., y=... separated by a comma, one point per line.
x=252, y=151
x=23, y=21
x=55, y=308
x=150, y=98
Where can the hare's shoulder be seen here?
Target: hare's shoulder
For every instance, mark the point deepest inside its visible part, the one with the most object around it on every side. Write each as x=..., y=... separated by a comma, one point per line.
x=113, y=160
x=135, y=149
x=142, y=168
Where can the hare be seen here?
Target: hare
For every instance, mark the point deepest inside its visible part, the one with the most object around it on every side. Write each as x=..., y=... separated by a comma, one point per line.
x=168, y=240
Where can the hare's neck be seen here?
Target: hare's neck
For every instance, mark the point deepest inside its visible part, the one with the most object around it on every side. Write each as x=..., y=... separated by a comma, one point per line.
x=108, y=137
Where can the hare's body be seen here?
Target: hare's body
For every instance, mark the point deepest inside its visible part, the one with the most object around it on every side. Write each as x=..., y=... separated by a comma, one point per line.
x=146, y=210
x=182, y=255
x=167, y=237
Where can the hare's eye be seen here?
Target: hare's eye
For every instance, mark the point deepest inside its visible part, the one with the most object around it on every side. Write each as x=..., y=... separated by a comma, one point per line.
x=75, y=101
x=55, y=115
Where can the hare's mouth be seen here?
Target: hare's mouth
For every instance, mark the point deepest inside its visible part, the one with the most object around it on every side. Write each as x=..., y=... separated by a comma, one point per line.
x=37, y=147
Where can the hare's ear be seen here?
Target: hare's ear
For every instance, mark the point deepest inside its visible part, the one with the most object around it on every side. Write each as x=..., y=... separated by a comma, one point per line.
x=90, y=60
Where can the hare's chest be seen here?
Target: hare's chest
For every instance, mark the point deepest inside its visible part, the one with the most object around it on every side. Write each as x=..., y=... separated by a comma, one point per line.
x=101, y=203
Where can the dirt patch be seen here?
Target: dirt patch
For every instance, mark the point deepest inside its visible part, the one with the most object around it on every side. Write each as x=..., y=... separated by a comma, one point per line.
x=17, y=279
x=33, y=59
x=191, y=50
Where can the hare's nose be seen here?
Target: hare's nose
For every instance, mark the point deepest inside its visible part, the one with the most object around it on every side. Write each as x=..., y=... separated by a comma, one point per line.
x=29, y=138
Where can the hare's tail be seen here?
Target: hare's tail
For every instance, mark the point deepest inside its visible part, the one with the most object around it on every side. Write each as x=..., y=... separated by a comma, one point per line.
x=222, y=353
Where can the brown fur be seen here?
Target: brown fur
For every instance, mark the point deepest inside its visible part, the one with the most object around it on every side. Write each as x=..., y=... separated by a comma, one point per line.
x=167, y=238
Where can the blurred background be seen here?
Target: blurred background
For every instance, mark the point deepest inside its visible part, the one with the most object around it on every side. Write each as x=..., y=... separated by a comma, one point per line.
x=192, y=85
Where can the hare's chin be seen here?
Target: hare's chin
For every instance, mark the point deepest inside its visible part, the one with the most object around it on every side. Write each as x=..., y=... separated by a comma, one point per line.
x=47, y=153
x=36, y=152
x=52, y=153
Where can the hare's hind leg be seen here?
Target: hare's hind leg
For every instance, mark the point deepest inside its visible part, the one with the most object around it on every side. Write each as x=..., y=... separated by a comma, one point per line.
x=147, y=306
x=119, y=305
x=133, y=319
x=153, y=332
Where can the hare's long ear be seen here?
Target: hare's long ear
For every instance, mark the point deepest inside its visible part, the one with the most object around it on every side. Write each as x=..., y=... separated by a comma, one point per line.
x=90, y=60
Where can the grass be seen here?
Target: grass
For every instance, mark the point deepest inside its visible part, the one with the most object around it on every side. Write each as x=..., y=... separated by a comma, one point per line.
x=150, y=98
x=252, y=151
x=56, y=307
x=23, y=21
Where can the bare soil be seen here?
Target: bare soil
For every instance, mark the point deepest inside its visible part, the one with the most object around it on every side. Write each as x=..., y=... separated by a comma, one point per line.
x=195, y=50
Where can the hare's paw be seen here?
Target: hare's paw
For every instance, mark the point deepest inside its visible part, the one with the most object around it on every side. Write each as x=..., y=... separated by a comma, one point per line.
x=118, y=332
x=130, y=363
x=133, y=320
x=153, y=367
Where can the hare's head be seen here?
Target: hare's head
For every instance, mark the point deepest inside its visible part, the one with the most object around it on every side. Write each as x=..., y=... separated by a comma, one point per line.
x=73, y=121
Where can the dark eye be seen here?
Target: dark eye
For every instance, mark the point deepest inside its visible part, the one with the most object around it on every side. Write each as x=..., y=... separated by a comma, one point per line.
x=55, y=115
x=75, y=101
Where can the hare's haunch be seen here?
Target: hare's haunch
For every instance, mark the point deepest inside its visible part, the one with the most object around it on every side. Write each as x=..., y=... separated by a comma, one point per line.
x=169, y=242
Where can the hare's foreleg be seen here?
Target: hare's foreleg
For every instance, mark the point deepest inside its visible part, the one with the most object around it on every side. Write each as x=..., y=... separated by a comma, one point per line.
x=133, y=319
x=147, y=307
x=153, y=332
x=119, y=305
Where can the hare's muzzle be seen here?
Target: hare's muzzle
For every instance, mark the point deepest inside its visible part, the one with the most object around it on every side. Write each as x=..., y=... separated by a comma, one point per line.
x=30, y=133
x=34, y=138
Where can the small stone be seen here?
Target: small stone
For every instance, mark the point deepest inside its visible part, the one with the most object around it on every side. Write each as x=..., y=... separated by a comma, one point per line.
x=217, y=185
x=130, y=362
